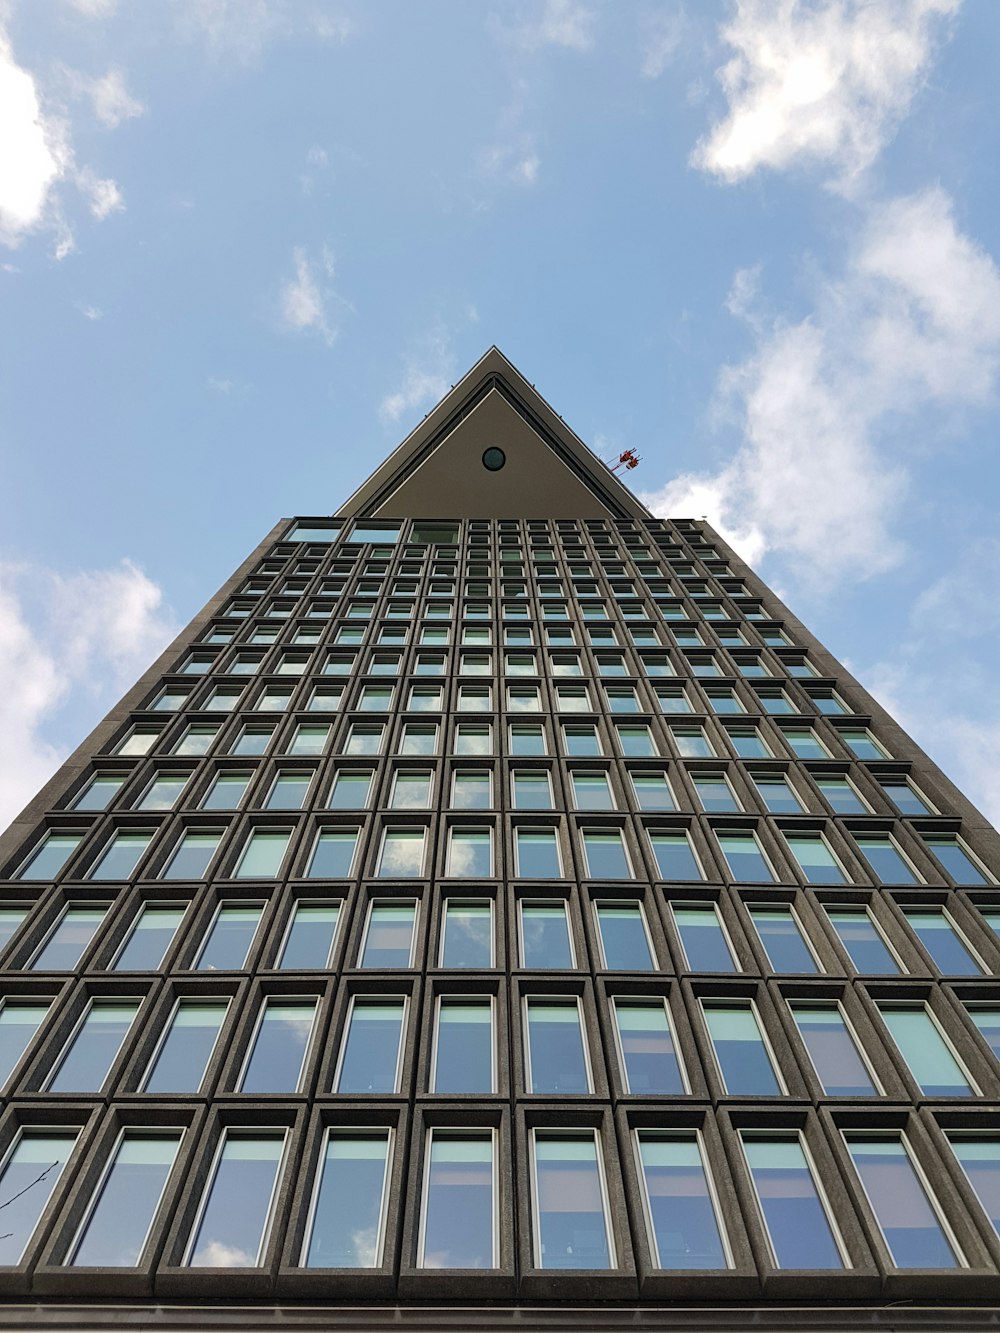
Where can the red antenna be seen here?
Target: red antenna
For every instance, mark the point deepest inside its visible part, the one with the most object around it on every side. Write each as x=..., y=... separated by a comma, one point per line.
x=627, y=461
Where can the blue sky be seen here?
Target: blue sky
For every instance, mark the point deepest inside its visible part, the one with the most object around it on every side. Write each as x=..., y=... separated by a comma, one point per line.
x=246, y=244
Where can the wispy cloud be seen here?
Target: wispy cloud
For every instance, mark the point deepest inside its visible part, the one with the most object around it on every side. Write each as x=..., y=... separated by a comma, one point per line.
x=93, y=9
x=304, y=297
x=91, y=312
x=824, y=82
x=562, y=23
x=110, y=98
x=103, y=196
x=244, y=29
x=89, y=635
x=661, y=32
x=913, y=324
x=427, y=376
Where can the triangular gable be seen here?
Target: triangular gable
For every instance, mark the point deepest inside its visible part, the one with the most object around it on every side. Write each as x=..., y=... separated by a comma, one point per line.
x=439, y=472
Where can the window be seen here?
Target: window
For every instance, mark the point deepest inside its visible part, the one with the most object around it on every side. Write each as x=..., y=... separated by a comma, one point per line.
x=19, y=1021
x=748, y=743
x=692, y=742
x=536, y=853
x=647, y=1048
x=928, y=1056
x=571, y=1223
x=389, y=934
x=622, y=699
x=99, y=792
x=87, y=1058
x=745, y=1063
x=365, y=738
x=309, y=739
x=475, y=738
x=783, y=939
x=471, y=789
x=463, y=1059
x=743, y=855
x=234, y=1219
x=411, y=789
x=946, y=946
x=978, y=1156
x=703, y=937
x=402, y=853
x=816, y=861
x=417, y=738
x=222, y=700
x=531, y=789
x=635, y=742
x=229, y=937
x=722, y=699
x=469, y=852
x=652, y=790
x=955, y=858
x=163, y=792
x=10, y=920
x=804, y=743
x=371, y=1053
x=906, y=798
x=863, y=744
x=121, y=856
x=192, y=855
x=833, y=1049
x=290, y=789
x=523, y=699
x=775, y=701
x=778, y=794
x=71, y=935
x=675, y=858
x=263, y=853
x=333, y=853
x=425, y=699
x=799, y=1230
x=467, y=933
x=545, y=937
x=866, y=947
x=273, y=699
x=582, y=741
x=624, y=936
x=682, y=1213
x=181, y=1059
x=127, y=1199
x=604, y=854
x=905, y=1210
x=150, y=937
x=251, y=740
x=351, y=789
x=714, y=792
x=280, y=1046
x=28, y=1178
x=885, y=859
x=458, y=1221
x=347, y=1221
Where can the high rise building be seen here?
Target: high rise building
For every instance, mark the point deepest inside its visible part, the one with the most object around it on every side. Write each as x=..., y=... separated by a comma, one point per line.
x=496, y=910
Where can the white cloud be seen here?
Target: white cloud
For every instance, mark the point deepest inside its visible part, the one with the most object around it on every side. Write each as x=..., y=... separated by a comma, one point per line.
x=245, y=28
x=517, y=163
x=33, y=152
x=660, y=34
x=303, y=301
x=88, y=637
x=565, y=23
x=108, y=95
x=818, y=82
x=104, y=197
x=91, y=312
x=912, y=325
x=94, y=9
x=428, y=376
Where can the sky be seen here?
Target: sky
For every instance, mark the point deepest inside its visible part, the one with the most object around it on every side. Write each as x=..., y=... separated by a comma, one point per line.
x=245, y=245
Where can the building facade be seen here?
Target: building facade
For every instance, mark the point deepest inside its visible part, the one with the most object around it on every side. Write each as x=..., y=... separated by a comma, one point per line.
x=497, y=910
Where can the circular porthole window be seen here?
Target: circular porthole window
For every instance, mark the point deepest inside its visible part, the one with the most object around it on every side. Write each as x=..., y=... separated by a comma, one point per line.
x=494, y=459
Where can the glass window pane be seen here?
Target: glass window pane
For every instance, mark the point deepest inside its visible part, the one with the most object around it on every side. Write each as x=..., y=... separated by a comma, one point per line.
x=27, y=1181
x=555, y=1052
x=65, y=946
x=858, y=934
x=311, y=933
x=908, y=1220
x=93, y=1048
x=816, y=861
x=180, y=1062
x=684, y=1225
x=370, y=1058
x=942, y=941
x=532, y=789
x=467, y=934
x=537, y=853
x=782, y=939
x=744, y=1062
x=192, y=855
x=235, y=1221
x=650, y=1064
x=928, y=1056
x=604, y=854
x=10, y=920
x=127, y=1200
x=349, y=1214
x=744, y=857
x=350, y=789
x=652, y=791
x=777, y=794
x=832, y=1050
x=714, y=792
x=841, y=795
x=885, y=860
x=798, y=1227
x=675, y=858
x=545, y=940
x=163, y=792
x=280, y=1046
x=979, y=1158
x=226, y=791
x=572, y=1228
x=987, y=1020
x=389, y=937
x=151, y=937
x=230, y=936
x=624, y=942
x=703, y=938
x=463, y=1050
x=470, y=852
x=402, y=853
x=290, y=790
x=19, y=1021
x=99, y=792
x=263, y=853
x=333, y=854
x=121, y=856
x=458, y=1228
x=471, y=789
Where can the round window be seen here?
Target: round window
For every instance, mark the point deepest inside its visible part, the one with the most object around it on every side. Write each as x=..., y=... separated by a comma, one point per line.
x=494, y=459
